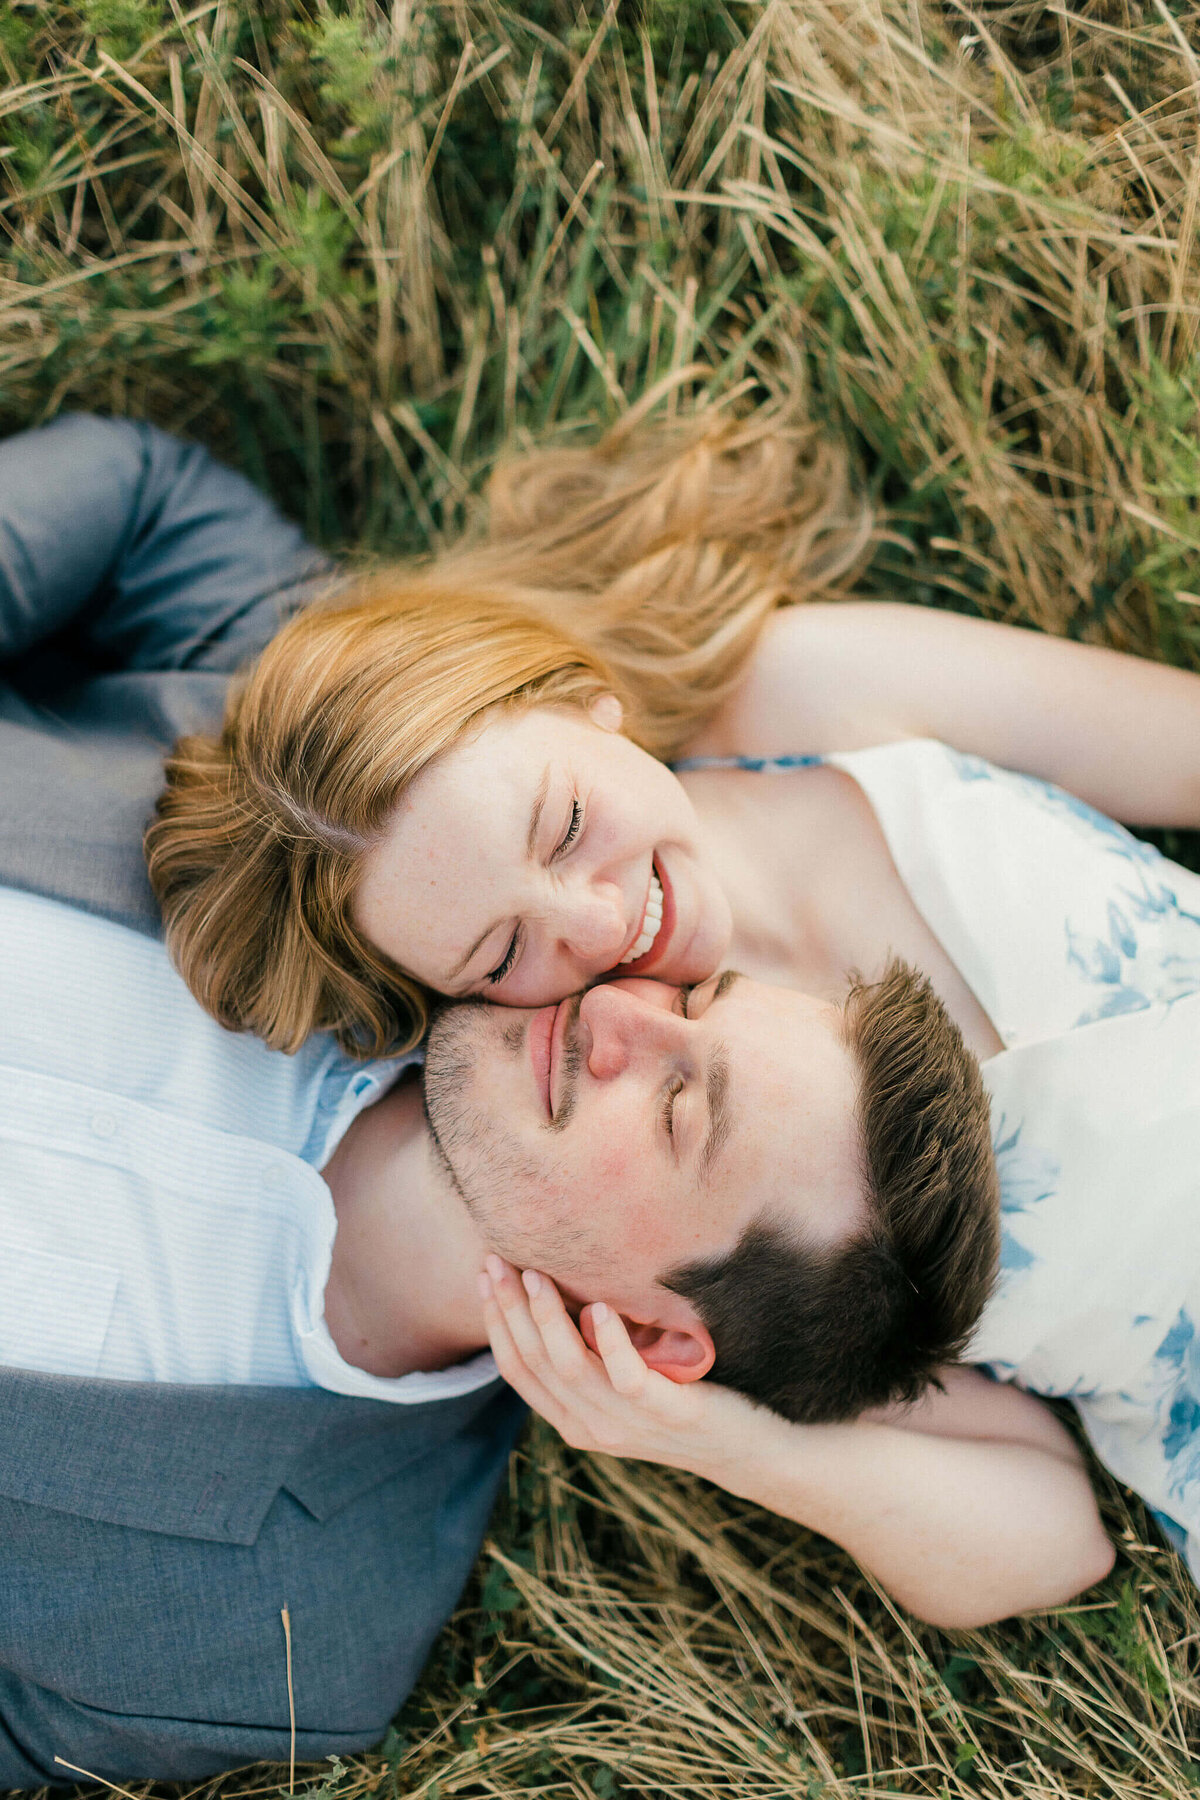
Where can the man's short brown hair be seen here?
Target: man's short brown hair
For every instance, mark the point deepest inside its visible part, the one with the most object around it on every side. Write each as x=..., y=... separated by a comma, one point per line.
x=822, y=1334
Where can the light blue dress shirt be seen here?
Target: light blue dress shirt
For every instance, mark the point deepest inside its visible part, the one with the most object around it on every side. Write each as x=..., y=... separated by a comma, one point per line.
x=162, y=1214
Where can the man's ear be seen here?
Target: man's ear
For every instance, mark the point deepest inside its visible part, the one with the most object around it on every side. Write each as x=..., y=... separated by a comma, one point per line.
x=681, y=1353
x=607, y=712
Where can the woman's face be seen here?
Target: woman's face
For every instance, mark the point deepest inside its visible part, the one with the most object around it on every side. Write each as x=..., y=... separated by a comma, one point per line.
x=543, y=850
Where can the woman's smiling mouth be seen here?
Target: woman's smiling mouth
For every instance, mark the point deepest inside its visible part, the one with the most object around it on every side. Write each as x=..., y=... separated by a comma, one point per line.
x=656, y=931
x=652, y=919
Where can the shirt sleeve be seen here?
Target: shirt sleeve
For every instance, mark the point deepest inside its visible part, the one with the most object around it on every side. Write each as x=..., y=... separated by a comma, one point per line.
x=140, y=552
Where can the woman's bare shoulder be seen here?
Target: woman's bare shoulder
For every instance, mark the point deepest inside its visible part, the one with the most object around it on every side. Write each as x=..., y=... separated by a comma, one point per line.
x=811, y=683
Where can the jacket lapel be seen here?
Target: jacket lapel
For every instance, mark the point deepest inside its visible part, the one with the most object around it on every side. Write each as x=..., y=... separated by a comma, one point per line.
x=206, y=1462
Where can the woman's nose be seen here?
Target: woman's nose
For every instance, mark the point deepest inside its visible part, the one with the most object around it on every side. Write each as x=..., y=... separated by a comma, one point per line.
x=624, y=1030
x=594, y=926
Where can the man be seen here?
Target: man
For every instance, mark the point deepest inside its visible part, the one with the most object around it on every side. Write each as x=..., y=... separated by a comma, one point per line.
x=179, y=1284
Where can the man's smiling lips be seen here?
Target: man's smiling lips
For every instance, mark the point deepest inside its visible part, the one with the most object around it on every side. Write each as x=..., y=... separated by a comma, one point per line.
x=547, y=1039
x=541, y=1031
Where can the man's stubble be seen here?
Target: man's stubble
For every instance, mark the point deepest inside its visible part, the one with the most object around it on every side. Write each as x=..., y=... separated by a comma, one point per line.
x=509, y=1193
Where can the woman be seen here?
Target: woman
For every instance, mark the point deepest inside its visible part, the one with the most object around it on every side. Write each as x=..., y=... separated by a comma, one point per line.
x=447, y=782
x=451, y=780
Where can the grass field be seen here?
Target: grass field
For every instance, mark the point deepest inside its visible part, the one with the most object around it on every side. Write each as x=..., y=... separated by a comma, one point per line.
x=357, y=249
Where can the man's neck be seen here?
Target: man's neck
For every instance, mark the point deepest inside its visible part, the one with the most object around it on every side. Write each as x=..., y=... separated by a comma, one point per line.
x=402, y=1290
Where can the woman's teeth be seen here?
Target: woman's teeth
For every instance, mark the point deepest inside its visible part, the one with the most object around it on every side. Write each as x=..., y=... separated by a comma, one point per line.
x=651, y=924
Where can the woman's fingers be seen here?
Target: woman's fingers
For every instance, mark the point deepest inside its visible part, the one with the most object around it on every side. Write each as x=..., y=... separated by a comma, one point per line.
x=509, y=1359
x=568, y=1354
x=622, y=1363
x=513, y=1303
x=549, y=1346
x=551, y=1349
x=609, y=1401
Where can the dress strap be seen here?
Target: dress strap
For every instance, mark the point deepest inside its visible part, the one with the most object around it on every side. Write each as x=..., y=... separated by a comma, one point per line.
x=758, y=765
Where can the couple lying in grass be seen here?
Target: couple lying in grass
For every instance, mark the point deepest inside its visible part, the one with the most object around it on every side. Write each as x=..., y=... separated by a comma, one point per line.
x=887, y=1090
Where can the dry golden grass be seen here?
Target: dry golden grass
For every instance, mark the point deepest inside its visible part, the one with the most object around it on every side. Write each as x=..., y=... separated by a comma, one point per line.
x=721, y=1652
x=360, y=247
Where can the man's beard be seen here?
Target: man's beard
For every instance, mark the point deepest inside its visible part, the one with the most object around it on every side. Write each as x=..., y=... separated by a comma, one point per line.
x=479, y=1154
x=506, y=1190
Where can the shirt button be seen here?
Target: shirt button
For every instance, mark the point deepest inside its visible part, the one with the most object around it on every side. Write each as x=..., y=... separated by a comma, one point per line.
x=274, y=1175
x=104, y=1125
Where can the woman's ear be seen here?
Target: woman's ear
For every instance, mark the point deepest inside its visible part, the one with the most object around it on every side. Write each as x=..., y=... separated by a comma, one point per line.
x=681, y=1353
x=607, y=712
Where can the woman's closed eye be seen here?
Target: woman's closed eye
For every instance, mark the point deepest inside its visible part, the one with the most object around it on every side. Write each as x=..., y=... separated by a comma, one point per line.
x=572, y=831
x=505, y=967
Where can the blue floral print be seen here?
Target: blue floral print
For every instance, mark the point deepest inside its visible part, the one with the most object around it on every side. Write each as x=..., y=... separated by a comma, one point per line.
x=1178, y=1360
x=1061, y=921
x=1028, y=1175
x=1130, y=972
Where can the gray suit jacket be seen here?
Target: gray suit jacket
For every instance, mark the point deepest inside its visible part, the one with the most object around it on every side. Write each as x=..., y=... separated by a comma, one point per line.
x=151, y=1535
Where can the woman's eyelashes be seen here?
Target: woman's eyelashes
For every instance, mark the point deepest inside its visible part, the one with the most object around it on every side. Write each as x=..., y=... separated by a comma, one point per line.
x=505, y=968
x=572, y=831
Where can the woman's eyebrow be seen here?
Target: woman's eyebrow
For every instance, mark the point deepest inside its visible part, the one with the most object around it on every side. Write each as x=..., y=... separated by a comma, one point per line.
x=535, y=817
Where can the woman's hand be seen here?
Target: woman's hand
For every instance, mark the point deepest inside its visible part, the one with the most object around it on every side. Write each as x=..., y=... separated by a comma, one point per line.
x=609, y=1402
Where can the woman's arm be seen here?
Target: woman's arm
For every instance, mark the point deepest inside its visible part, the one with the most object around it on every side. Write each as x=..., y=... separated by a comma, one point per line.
x=974, y=1507
x=969, y=1507
x=1120, y=732
x=146, y=552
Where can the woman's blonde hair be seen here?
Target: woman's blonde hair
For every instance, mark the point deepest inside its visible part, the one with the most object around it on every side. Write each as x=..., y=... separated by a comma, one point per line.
x=644, y=566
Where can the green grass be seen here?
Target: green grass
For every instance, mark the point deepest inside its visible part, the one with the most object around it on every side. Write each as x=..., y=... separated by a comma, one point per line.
x=358, y=249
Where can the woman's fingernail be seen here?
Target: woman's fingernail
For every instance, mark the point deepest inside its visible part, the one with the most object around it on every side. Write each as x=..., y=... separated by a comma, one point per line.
x=485, y=1285
x=494, y=1267
x=599, y=1313
x=533, y=1281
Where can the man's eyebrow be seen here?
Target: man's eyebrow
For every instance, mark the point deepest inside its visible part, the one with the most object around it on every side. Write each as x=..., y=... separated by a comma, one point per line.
x=716, y=1093
x=535, y=817
x=716, y=1089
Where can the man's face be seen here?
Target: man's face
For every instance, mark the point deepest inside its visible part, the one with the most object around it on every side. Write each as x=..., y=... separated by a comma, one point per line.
x=636, y=1127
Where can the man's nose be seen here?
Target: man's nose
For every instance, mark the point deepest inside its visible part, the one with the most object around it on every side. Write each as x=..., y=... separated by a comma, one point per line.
x=626, y=1028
